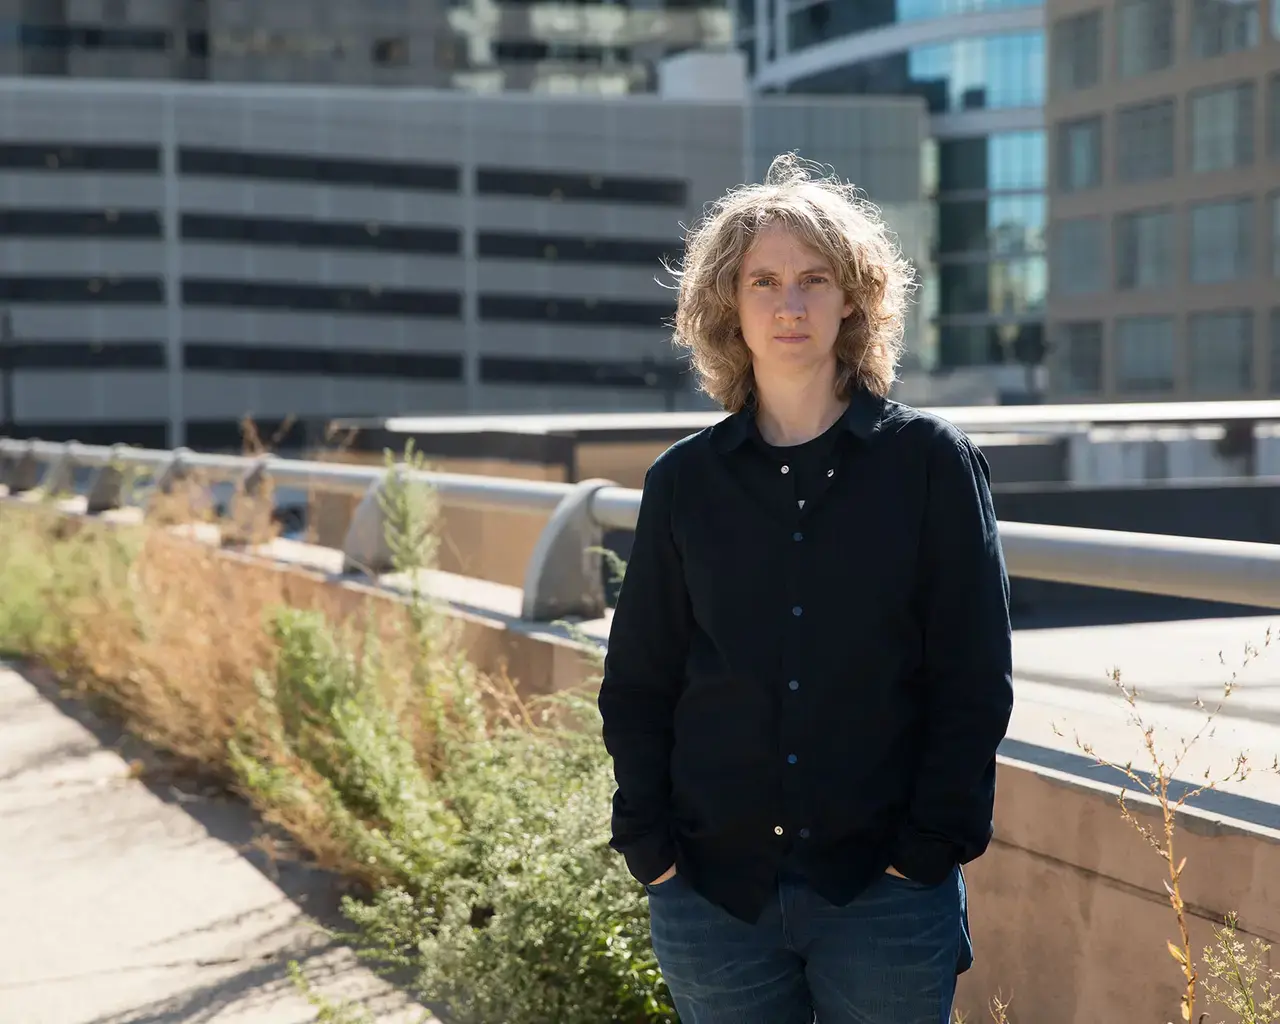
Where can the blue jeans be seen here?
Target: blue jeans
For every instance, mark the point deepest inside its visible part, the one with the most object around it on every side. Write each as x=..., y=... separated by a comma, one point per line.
x=889, y=957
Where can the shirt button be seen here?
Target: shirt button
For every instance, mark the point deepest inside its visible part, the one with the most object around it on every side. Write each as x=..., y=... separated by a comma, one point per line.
x=777, y=830
x=792, y=759
x=797, y=536
x=786, y=469
x=794, y=684
x=831, y=472
x=797, y=611
x=804, y=833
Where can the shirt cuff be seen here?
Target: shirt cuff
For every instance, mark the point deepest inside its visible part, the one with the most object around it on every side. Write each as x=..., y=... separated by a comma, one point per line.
x=924, y=859
x=647, y=858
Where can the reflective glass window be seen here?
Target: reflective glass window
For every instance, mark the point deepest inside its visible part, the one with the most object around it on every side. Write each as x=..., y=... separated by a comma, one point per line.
x=1223, y=26
x=1004, y=225
x=1220, y=347
x=1222, y=241
x=978, y=74
x=1006, y=161
x=1144, y=249
x=1144, y=354
x=999, y=287
x=1144, y=36
x=1077, y=358
x=1221, y=133
x=967, y=74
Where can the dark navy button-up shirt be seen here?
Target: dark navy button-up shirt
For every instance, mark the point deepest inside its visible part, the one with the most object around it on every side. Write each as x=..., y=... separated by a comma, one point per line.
x=810, y=669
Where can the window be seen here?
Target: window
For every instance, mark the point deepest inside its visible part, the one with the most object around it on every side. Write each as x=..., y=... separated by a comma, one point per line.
x=324, y=362
x=1275, y=350
x=667, y=376
x=234, y=163
x=997, y=288
x=1222, y=127
x=82, y=290
x=392, y=52
x=1144, y=40
x=1220, y=347
x=308, y=298
x=1077, y=52
x=1005, y=161
x=1077, y=358
x=1144, y=141
x=1144, y=354
x=319, y=234
x=1275, y=234
x=1144, y=248
x=85, y=355
x=1221, y=241
x=36, y=223
x=574, y=248
x=1223, y=26
x=975, y=73
x=1080, y=154
x=911, y=10
x=54, y=156
x=1008, y=225
x=821, y=22
x=985, y=73
x=548, y=309
x=557, y=185
x=970, y=345
x=1274, y=104
x=1078, y=265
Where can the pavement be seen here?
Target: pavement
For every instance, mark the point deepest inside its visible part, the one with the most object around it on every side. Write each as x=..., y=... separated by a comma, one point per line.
x=125, y=901
x=128, y=900
x=1062, y=696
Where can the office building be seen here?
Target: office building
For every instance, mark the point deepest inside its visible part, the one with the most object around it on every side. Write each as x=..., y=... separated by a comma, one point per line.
x=979, y=66
x=1164, y=119
x=174, y=256
x=476, y=45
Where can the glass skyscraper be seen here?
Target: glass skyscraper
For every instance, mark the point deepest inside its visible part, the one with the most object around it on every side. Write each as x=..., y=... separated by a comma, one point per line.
x=979, y=65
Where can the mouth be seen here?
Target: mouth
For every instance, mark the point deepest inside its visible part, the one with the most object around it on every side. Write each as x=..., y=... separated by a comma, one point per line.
x=790, y=338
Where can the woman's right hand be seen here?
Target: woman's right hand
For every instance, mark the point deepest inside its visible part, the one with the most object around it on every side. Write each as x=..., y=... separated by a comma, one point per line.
x=668, y=874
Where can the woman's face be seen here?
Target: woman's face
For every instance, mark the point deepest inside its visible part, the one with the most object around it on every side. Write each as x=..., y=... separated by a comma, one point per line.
x=789, y=306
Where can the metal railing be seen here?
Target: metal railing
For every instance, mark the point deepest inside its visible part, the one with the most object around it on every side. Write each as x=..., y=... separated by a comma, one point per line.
x=563, y=578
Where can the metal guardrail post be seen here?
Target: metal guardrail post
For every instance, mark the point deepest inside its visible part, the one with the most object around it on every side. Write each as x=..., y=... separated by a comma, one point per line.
x=563, y=578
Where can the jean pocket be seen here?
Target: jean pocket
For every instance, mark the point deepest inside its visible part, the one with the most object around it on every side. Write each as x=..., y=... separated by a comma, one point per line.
x=662, y=887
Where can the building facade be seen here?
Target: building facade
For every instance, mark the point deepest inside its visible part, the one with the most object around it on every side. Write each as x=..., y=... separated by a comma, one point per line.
x=1164, y=120
x=174, y=256
x=476, y=45
x=979, y=66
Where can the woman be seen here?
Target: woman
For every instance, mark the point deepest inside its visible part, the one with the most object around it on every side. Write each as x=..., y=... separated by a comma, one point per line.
x=809, y=669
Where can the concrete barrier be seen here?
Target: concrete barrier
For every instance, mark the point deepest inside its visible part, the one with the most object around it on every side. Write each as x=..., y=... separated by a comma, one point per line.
x=1068, y=908
x=1069, y=911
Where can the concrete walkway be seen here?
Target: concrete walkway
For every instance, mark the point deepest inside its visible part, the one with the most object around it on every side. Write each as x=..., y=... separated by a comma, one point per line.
x=124, y=902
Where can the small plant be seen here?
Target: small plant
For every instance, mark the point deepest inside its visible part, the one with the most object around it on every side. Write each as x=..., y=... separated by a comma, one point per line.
x=1238, y=977
x=1229, y=963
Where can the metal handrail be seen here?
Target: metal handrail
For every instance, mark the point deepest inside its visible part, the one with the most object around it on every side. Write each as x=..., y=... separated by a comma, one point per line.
x=561, y=580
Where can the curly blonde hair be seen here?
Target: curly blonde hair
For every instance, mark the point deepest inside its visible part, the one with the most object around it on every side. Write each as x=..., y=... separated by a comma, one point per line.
x=827, y=216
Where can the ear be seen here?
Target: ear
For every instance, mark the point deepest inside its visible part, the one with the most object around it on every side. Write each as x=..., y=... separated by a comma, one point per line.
x=848, y=311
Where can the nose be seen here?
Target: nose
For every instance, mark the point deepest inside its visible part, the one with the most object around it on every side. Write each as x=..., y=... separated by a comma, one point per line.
x=791, y=303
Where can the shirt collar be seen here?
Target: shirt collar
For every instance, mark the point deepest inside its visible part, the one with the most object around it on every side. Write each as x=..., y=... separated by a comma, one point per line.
x=861, y=419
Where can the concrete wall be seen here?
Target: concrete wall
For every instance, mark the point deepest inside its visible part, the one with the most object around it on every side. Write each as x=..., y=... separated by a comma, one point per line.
x=1069, y=911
